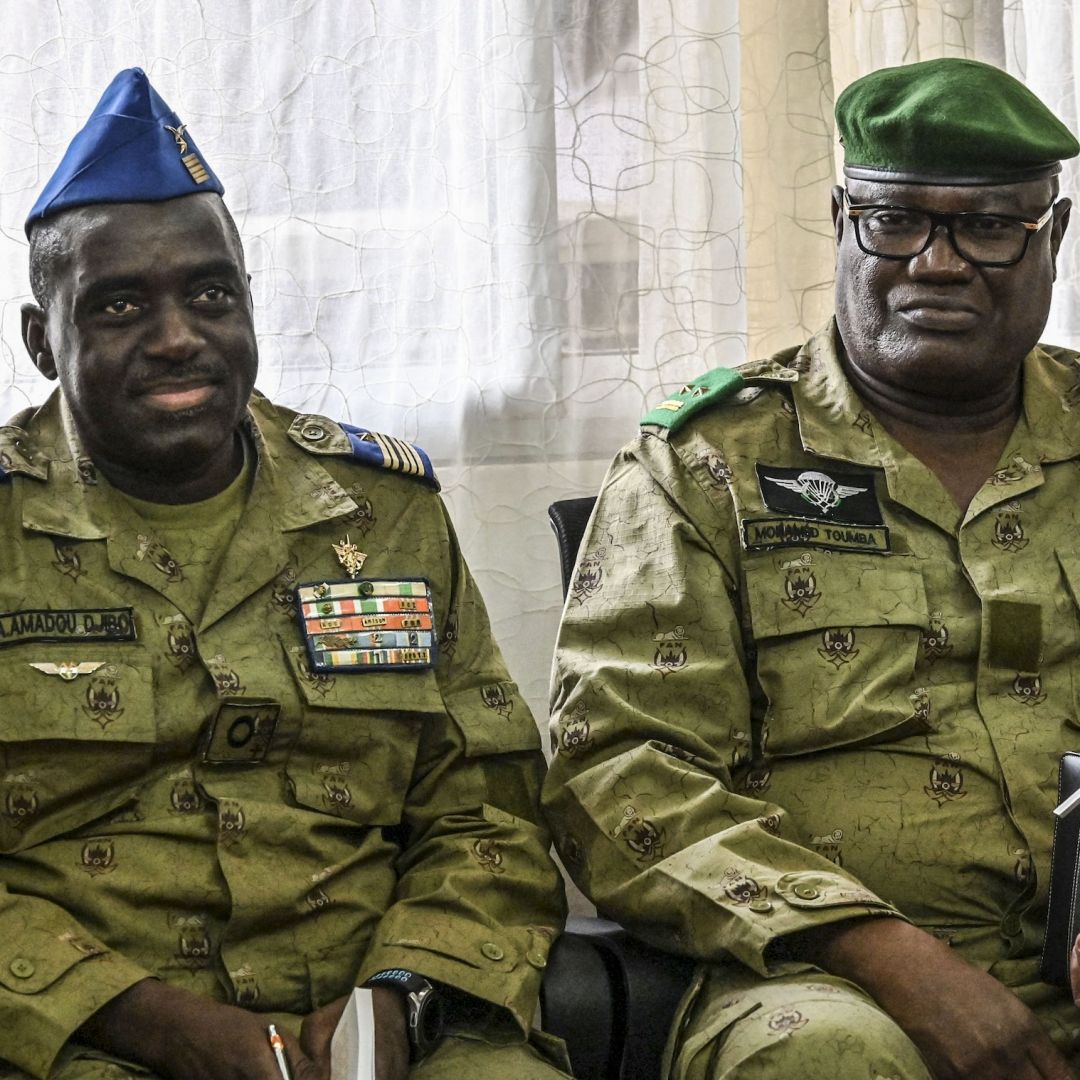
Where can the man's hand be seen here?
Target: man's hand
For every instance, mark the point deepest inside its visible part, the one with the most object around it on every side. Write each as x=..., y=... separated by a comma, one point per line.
x=391, y=1039
x=964, y=1022
x=182, y=1036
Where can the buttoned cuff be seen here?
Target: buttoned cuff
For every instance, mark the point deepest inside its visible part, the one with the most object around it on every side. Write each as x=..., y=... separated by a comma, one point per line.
x=797, y=901
x=724, y=904
x=501, y=965
x=49, y=986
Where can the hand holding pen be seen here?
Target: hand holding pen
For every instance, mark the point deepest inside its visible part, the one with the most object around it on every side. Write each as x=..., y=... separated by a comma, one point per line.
x=277, y=1044
x=180, y=1035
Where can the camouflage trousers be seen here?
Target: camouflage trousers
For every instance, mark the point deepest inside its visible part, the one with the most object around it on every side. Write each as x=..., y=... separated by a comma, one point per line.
x=458, y=1056
x=734, y=1025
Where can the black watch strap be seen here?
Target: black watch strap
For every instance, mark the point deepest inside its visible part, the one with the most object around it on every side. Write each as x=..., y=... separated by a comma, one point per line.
x=423, y=1003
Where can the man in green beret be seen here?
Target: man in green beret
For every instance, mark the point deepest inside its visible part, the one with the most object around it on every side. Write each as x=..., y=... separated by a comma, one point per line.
x=819, y=662
x=257, y=744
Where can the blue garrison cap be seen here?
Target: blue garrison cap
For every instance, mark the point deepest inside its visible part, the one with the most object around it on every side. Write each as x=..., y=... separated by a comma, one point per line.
x=132, y=149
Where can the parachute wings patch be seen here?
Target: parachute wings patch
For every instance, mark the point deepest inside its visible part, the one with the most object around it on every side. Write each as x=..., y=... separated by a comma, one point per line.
x=846, y=497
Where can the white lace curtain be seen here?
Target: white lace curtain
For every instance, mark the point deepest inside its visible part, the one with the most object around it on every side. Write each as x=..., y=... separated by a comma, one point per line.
x=501, y=229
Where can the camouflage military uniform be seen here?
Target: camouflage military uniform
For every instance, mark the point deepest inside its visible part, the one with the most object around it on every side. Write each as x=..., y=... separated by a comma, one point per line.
x=182, y=795
x=795, y=684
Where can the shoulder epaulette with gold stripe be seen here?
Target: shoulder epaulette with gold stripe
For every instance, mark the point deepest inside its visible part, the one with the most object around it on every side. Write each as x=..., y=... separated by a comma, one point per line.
x=706, y=390
x=386, y=452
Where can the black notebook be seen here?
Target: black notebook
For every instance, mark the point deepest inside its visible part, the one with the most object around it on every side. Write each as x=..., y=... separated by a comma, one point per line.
x=1063, y=916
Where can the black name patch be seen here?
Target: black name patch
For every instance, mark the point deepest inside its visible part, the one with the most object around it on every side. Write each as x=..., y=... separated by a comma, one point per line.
x=820, y=493
x=61, y=624
x=762, y=534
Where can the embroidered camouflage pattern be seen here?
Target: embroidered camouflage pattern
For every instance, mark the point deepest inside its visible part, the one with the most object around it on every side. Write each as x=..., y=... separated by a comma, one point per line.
x=140, y=797
x=838, y=1030
x=844, y=696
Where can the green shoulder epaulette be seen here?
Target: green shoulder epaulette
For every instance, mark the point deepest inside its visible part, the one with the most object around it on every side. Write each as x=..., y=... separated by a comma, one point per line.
x=706, y=390
x=318, y=435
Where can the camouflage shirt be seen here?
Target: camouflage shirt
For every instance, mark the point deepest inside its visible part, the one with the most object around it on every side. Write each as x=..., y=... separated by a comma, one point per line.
x=184, y=794
x=795, y=684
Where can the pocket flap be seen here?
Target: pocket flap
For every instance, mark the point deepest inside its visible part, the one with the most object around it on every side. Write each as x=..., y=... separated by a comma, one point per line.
x=71, y=748
x=89, y=695
x=792, y=596
x=411, y=690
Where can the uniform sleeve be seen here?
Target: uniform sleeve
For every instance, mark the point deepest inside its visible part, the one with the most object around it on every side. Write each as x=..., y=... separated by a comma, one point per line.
x=652, y=710
x=54, y=975
x=479, y=899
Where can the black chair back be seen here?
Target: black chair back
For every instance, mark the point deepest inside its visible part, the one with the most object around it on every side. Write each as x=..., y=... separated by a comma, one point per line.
x=569, y=518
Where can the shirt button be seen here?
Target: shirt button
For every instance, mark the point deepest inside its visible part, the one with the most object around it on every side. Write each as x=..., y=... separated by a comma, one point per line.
x=492, y=951
x=1011, y=924
x=537, y=959
x=314, y=433
x=760, y=905
x=807, y=892
x=22, y=968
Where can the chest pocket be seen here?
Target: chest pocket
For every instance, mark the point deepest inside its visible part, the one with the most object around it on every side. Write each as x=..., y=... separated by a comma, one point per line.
x=837, y=638
x=76, y=740
x=360, y=731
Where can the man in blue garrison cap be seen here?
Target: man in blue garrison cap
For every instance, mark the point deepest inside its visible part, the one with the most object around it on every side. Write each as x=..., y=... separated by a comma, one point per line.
x=257, y=745
x=820, y=661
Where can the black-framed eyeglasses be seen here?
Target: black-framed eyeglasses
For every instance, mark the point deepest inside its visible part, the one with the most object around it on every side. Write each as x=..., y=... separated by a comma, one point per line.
x=902, y=232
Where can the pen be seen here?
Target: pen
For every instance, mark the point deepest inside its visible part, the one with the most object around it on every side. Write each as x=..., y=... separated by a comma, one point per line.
x=1067, y=806
x=277, y=1044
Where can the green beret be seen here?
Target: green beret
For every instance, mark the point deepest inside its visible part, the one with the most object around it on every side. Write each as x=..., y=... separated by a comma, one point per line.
x=948, y=121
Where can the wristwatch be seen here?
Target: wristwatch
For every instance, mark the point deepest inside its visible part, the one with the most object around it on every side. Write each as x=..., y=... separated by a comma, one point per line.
x=424, y=1004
